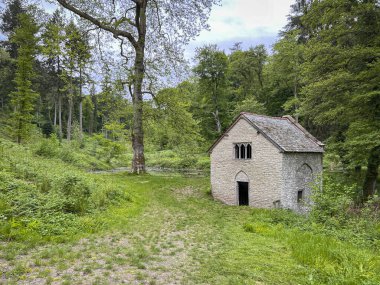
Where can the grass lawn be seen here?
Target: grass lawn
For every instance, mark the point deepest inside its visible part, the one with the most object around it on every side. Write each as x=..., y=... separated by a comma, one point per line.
x=172, y=232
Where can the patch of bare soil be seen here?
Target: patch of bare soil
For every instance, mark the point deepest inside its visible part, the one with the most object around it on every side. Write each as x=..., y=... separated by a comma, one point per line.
x=186, y=192
x=154, y=250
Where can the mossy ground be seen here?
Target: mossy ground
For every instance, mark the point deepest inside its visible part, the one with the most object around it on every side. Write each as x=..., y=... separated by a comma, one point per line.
x=172, y=232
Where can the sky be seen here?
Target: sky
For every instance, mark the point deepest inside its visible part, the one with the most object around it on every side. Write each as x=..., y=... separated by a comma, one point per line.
x=251, y=22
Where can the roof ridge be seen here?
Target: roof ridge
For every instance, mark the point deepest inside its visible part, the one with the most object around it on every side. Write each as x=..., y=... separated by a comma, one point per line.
x=265, y=116
x=283, y=132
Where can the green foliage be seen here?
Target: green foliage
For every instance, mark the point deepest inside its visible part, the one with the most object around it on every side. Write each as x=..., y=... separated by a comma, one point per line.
x=7, y=70
x=249, y=105
x=106, y=149
x=283, y=74
x=333, y=201
x=335, y=255
x=23, y=99
x=178, y=160
x=246, y=78
x=48, y=147
x=336, y=208
x=329, y=59
x=169, y=122
x=211, y=69
x=44, y=196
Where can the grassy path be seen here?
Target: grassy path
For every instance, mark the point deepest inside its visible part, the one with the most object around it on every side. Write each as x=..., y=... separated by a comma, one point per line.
x=171, y=233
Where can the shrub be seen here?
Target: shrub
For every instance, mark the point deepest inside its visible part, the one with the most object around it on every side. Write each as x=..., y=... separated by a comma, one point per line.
x=334, y=200
x=76, y=191
x=188, y=162
x=48, y=147
x=44, y=196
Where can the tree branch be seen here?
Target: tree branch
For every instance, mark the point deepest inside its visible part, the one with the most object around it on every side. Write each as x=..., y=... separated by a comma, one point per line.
x=115, y=32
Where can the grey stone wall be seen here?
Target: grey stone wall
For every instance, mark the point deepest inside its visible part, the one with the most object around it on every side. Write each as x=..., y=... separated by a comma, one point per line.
x=301, y=171
x=264, y=170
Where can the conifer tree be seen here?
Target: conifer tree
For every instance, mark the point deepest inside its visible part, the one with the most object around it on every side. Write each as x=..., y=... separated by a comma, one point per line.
x=23, y=99
x=10, y=22
x=52, y=39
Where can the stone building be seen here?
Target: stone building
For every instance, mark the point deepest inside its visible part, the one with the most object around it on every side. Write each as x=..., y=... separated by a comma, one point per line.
x=265, y=162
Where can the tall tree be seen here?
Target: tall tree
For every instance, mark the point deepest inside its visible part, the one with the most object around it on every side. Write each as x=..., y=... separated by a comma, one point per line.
x=52, y=38
x=7, y=73
x=297, y=10
x=341, y=76
x=10, y=22
x=284, y=70
x=246, y=79
x=72, y=41
x=170, y=123
x=211, y=69
x=153, y=29
x=23, y=99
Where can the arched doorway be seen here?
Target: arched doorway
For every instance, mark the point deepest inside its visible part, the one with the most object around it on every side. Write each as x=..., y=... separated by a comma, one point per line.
x=242, y=187
x=304, y=178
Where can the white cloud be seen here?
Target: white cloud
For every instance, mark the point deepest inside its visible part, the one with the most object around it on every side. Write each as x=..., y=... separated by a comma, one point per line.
x=251, y=22
x=245, y=19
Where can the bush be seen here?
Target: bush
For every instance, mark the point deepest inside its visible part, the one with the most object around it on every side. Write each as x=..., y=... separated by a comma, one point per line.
x=48, y=147
x=76, y=192
x=45, y=196
x=334, y=201
x=335, y=210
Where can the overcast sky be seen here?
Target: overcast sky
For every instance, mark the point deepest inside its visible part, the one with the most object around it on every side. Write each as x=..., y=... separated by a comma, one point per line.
x=251, y=22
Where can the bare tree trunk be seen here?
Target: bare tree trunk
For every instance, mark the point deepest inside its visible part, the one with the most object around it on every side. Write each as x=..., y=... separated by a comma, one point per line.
x=93, y=116
x=216, y=113
x=19, y=131
x=295, y=92
x=81, y=118
x=369, y=187
x=80, y=105
x=55, y=112
x=69, y=119
x=138, y=162
x=59, y=99
x=60, y=116
x=217, y=121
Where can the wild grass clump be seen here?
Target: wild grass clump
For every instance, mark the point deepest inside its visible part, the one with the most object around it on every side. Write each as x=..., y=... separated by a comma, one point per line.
x=338, y=241
x=45, y=197
x=337, y=212
x=332, y=261
x=177, y=160
x=92, y=153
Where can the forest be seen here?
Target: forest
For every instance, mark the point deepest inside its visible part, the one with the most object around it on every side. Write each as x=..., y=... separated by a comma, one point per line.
x=99, y=85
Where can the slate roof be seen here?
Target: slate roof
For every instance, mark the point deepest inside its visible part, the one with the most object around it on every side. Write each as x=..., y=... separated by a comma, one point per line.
x=284, y=132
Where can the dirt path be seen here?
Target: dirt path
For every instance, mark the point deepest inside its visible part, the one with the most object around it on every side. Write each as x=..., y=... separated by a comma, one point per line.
x=181, y=236
x=157, y=248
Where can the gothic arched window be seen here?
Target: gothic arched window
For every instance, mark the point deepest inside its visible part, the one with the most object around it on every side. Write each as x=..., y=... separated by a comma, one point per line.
x=249, y=151
x=237, y=151
x=242, y=151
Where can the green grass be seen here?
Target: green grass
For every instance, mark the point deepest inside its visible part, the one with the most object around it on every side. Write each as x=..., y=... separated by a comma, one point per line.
x=161, y=230
x=178, y=160
x=47, y=199
x=98, y=153
x=173, y=231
